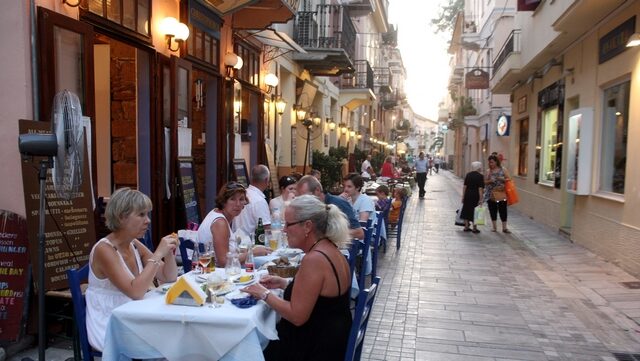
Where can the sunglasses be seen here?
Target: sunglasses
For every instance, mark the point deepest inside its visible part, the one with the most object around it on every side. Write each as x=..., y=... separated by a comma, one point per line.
x=234, y=185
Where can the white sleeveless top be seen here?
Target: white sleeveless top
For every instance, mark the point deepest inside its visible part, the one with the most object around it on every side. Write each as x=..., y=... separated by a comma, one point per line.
x=204, y=230
x=103, y=297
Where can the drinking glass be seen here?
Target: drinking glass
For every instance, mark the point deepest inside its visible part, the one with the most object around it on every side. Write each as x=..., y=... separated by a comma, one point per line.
x=232, y=267
x=204, y=260
x=273, y=237
x=214, y=283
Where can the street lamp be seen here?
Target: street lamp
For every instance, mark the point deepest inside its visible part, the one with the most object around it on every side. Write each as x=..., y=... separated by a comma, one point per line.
x=281, y=105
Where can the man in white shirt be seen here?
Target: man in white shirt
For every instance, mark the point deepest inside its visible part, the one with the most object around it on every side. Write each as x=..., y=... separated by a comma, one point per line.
x=421, y=165
x=366, y=170
x=258, y=207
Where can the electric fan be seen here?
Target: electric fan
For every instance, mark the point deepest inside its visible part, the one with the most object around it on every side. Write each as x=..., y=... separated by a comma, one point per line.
x=64, y=149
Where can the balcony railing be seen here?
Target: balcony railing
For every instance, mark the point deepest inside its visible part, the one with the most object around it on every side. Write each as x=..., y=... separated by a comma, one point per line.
x=511, y=46
x=381, y=78
x=361, y=78
x=329, y=27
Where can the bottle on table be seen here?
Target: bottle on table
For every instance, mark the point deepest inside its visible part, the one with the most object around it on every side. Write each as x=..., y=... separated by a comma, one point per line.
x=249, y=263
x=259, y=232
x=276, y=219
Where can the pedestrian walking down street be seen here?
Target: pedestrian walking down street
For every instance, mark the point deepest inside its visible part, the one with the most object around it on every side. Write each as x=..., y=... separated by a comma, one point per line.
x=430, y=165
x=495, y=194
x=472, y=195
x=421, y=165
x=436, y=163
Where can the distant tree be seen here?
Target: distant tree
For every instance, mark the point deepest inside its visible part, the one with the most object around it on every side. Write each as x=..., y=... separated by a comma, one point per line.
x=447, y=16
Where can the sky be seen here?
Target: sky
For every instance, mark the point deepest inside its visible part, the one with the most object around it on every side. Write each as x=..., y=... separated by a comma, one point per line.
x=424, y=53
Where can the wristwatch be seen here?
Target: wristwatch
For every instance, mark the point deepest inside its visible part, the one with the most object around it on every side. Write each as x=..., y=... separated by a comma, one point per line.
x=265, y=295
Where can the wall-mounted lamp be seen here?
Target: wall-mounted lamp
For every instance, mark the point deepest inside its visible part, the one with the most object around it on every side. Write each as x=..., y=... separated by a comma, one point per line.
x=343, y=128
x=300, y=112
x=352, y=132
x=317, y=121
x=271, y=81
x=332, y=124
x=173, y=29
x=71, y=4
x=280, y=105
x=231, y=62
x=359, y=135
x=634, y=40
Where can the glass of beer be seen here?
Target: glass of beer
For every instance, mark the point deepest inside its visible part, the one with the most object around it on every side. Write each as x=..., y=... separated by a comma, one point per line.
x=274, y=239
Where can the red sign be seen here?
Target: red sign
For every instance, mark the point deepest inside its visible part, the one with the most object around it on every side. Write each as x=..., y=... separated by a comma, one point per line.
x=14, y=263
x=476, y=79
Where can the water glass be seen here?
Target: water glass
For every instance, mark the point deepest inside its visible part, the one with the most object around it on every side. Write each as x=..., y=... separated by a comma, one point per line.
x=232, y=267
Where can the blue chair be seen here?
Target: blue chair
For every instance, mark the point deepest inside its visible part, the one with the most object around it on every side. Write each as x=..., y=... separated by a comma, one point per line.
x=76, y=278
x=184, y=245
x=146, y=240
x=364, y=304
x=397, y=230
x=377, y=241
x=360, y=248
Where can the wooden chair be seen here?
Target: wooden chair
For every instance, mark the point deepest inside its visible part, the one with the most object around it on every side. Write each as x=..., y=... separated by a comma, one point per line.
x=76, y=278
x=378, y=241
x=360, y=248
x=397, y=230
x=364, y=304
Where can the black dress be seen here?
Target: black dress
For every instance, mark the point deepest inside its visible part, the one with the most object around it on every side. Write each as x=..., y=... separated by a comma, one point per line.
x=323, y=337
x=473, y=180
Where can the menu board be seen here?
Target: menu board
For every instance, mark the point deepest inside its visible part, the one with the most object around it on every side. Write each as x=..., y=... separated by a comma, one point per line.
x=69, y=224
x=14, y=264
x=240, y=169
x=188, y=191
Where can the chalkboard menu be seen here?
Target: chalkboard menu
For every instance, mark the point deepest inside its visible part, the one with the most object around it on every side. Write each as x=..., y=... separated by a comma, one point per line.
x=14, y=263
x=188, y=192
x=240, y=169
x=69, y=224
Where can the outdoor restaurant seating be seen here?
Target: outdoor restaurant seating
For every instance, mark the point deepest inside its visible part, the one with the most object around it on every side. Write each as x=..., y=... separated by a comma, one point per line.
x=395, y=229
x=364, y=304
x=361, y=250
x=77, y=277
x=378, y=241
x=184, y=255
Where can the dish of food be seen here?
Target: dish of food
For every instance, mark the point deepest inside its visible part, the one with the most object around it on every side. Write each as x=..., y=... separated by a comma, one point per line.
x=225, y=289
x=244, y=279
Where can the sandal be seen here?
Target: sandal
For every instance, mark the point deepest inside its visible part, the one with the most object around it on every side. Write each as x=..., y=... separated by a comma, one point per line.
x=475, y=230
x=506, y=231
x=467, y=229
x=494, y=230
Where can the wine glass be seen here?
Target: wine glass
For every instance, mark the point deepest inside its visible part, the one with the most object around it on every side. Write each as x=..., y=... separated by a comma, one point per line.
x=204, y=260
x=214, y=284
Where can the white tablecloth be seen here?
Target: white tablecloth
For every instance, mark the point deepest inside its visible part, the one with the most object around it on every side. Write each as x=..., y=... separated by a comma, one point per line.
x=149, y=328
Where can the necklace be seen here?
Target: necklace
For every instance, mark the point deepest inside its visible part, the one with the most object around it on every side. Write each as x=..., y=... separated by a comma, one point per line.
x=318, y=241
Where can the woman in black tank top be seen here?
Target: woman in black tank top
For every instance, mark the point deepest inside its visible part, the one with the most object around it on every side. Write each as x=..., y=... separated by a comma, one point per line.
x=315, y=308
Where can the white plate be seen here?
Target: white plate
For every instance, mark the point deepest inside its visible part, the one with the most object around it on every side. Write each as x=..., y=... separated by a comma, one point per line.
x=227, y=288
x=290, y=252
x=236, y=294
x=165, y=287
x=236, y=279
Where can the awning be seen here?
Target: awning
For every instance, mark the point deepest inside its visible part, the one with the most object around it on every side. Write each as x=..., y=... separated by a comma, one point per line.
x=264, y=13
x=224, y=7
x=276, y=43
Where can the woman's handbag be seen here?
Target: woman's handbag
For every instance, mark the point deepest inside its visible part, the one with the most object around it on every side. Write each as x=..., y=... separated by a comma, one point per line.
x=498, y=194
x=459, y=221
x=512, y=193
x=478, y=216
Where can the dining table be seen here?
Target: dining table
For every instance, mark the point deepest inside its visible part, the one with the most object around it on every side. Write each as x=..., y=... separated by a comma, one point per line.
x=150, y=329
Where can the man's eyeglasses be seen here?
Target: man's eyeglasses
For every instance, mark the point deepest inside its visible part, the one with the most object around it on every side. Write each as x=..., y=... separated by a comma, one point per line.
x=287, y=224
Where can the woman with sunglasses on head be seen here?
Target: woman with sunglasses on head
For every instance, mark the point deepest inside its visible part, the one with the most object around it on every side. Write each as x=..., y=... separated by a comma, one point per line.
x=494, y=180
x=315, y=308
x=216, y=226
x=287, y=186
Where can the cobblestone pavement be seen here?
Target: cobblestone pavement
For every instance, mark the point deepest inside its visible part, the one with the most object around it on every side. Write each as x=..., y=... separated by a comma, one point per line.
x=530, y=295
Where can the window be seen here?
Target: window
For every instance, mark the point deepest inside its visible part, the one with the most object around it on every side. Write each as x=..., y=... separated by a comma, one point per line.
x=549, y=145
x=131, y=14
x=615, y=122
x=523, y=155
x=250, y=71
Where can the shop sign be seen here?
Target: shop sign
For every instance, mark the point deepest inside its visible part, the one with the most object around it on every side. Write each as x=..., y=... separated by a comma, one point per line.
x=615, y=41
x=503, y=126
x=14, y=266
x=204, y=18
x=476, y=79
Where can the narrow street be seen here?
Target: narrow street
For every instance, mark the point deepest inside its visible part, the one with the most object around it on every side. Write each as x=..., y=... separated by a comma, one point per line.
x=530, y=295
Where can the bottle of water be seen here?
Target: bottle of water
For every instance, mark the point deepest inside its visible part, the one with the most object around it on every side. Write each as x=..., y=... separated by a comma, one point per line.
x=276, y=219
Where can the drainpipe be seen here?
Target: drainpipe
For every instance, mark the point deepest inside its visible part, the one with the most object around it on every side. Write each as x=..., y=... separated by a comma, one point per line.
x=34, y=62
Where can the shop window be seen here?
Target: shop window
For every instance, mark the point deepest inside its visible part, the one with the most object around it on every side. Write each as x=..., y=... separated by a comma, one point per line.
x=549, y=146
x=131, y=14
x=523, y=147
x=250, y=71
x=615, y=122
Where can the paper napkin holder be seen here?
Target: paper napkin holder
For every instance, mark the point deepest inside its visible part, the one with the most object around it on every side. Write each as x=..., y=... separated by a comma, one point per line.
x=185, y=292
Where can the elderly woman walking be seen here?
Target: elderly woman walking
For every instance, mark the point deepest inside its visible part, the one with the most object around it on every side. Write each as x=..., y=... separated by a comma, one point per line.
x=472, y=195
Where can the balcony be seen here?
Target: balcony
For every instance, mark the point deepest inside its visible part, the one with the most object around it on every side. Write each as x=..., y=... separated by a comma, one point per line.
x=507, y=64
x=391, y=100
x=360, y=7
x=390, y=38
x=382, y=80
x=329, y=37
x=263, y=13
x=356, y=88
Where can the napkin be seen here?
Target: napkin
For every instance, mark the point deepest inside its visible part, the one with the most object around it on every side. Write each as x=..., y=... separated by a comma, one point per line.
x=244, y=302
x=185, y=292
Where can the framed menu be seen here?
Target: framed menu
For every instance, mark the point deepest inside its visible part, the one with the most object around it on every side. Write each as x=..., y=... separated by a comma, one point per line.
x=188, y=192
x=240, y=170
